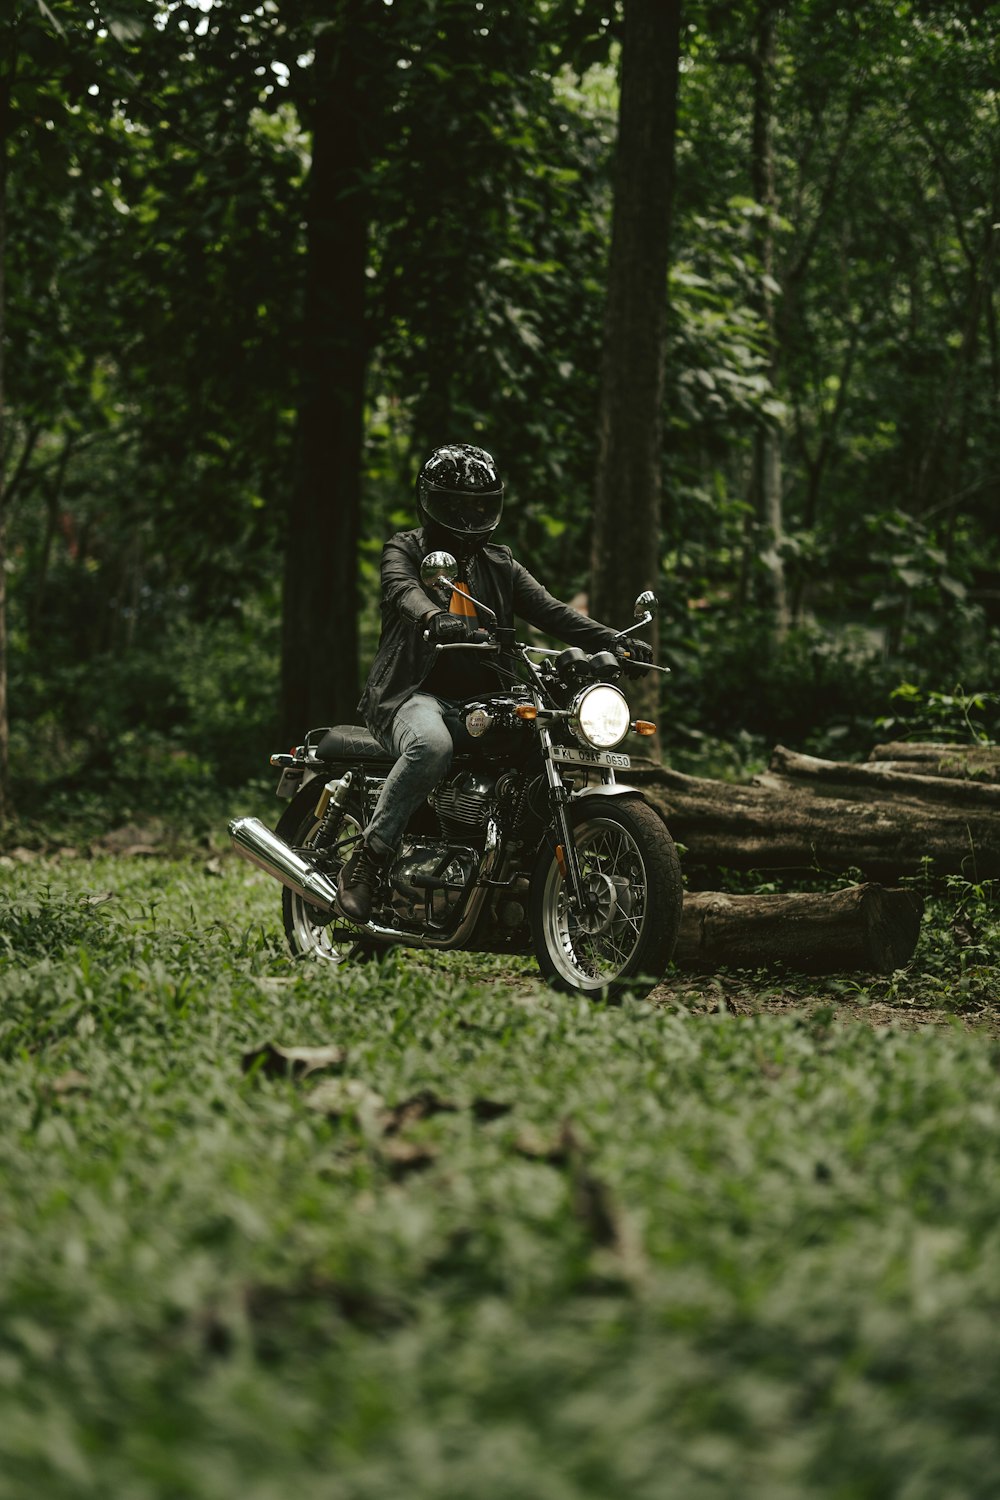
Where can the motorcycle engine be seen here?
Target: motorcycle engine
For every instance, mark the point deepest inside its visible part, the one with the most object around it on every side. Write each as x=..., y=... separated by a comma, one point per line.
x=463, y=804
x=428, y=882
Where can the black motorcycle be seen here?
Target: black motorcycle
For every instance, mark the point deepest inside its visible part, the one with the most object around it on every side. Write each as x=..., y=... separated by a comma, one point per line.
x=529, y=844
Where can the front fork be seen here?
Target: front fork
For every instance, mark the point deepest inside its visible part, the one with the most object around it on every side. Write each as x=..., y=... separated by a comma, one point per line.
x=559, y=800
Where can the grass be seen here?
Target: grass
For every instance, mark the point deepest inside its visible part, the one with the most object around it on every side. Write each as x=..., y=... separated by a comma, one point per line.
x=502, y=1244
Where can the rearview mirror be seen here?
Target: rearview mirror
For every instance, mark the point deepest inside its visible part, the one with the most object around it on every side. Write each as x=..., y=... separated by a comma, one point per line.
x=438, y=572
x=645, y=605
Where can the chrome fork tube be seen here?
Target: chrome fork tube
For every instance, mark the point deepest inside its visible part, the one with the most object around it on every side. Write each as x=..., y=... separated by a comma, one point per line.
x=559, y=798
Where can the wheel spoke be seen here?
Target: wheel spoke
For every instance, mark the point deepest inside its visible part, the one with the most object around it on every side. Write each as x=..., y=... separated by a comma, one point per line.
x=596, y=946
x=331, y=941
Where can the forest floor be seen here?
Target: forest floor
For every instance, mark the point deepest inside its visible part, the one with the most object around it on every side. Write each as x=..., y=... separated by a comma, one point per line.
x=952, y=980
x=424, y=1227
x=743, y=996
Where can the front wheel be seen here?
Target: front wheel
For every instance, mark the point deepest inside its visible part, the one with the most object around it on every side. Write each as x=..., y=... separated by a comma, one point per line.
x=632, y=878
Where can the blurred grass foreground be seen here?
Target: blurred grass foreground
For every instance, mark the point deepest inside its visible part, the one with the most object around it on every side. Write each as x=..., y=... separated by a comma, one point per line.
x=482, y=1241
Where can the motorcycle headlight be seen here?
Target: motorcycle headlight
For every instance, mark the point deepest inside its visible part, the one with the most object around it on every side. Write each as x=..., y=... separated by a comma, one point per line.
x=601, y=717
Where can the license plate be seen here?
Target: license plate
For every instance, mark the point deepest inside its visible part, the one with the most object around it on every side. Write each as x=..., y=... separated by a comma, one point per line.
x=291, y=780
x=567, y=755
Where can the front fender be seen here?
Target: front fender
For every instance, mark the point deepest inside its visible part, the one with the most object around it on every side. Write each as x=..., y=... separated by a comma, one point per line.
x=616, y=789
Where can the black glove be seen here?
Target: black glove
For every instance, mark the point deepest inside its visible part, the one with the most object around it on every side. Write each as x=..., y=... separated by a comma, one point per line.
x=632, y=653
x=445, y=629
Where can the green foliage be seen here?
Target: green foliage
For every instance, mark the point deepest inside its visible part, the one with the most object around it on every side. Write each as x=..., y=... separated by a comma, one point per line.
x=159, y=729
x=882, y=261
x=967, y=922
x=157, y=191
x=754, y=1254
x=943, y=716
x=488, y=261
x=815, y=689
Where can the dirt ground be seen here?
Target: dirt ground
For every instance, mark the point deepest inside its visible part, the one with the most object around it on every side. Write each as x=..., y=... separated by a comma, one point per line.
x=737, y=995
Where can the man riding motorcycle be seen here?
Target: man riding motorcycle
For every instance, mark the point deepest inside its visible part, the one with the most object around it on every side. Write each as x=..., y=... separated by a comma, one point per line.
x=411, y=699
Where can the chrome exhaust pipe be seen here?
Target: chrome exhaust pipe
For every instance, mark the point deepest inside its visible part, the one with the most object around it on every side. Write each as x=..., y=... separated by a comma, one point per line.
x=256, y=842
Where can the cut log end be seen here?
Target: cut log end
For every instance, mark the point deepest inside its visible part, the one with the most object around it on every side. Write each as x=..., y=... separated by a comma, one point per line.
x=891, y=918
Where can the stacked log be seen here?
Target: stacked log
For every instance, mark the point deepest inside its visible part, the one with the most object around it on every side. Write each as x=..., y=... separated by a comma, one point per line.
x=964, y=762
x=807, y=815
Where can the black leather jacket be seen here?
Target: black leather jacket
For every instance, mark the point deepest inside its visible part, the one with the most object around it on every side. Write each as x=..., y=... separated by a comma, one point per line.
x=404, y=659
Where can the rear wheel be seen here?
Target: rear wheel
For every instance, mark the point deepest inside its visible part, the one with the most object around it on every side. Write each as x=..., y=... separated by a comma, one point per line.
x=308, y=931
x=631, y=874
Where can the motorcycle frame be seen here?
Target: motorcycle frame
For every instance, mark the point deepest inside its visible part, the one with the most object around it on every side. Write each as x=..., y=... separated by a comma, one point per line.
x=484, y=882
x=561, y=797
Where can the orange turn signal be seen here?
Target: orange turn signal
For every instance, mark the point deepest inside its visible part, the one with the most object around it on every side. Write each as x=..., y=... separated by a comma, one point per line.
x=643, y=726
x=526, y=711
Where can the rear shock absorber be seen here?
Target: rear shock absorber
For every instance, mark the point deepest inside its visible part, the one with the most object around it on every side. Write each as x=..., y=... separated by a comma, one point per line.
x=330, y=809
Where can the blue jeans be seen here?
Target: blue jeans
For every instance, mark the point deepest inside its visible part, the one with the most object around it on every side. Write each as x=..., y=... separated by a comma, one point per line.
x=420, y=737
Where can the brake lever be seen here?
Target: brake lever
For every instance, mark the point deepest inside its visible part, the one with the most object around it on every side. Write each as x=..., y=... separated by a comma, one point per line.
x=463, y=645
x=645, y=666
x=467, y=646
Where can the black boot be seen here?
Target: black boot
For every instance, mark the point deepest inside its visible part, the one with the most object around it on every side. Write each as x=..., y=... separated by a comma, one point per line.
x=358, y=882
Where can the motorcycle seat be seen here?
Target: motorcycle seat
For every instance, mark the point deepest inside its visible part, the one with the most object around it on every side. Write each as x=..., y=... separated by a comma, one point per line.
x=348, y=742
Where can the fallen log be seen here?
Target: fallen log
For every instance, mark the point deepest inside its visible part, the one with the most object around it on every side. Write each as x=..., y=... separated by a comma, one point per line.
x=960, y=762
x=836, y=778
x=861, y=929
x=825, y=816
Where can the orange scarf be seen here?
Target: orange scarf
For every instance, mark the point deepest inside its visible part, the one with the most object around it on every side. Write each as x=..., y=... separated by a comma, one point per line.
x=462, y=606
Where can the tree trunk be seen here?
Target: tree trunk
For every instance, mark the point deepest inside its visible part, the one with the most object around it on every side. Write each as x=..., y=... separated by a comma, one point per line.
x=319, y=621
x=4, y=715
x=929, y=470
x=768, y=459
x=626, y=539
x=964, y=762
x=5, y=88
x=862, y=929
x=816, y=465
x=53, y=500
x=827, y=817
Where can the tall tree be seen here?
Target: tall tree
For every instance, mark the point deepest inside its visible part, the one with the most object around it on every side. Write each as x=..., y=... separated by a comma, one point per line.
x=625, y=553
x=767, y=464
x=44, y=67
x=319, y=618
x=490, y=248
x=7, y=67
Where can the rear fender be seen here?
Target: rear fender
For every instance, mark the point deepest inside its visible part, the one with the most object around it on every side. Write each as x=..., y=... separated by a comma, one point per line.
x=294, y=778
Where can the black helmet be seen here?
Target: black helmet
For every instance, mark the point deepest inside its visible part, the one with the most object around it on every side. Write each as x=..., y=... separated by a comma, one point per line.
x=460, y=495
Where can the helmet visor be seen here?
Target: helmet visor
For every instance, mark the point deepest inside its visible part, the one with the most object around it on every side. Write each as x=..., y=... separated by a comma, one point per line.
x=468, y=514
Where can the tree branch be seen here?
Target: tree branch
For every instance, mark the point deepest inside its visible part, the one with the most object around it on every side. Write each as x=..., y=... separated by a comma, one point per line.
x=855, y=109
x=10, y=489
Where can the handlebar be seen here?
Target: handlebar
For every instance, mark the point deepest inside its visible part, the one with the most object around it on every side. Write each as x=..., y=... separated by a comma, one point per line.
x=494, y=647
x=463, y=645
